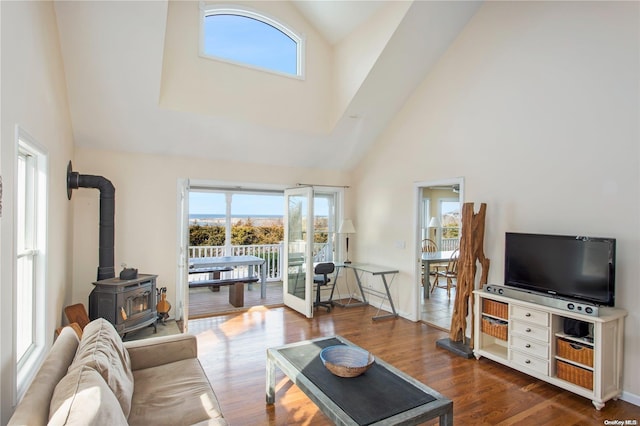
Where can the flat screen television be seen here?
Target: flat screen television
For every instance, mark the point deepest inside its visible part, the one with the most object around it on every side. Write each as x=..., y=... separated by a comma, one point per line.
x=572, y=267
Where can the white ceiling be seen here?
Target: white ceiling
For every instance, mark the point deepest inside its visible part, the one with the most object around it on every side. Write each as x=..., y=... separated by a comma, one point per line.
x=335, y=20
x=112, y=54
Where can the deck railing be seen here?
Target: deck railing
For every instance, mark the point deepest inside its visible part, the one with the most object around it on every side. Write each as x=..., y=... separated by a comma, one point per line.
x=450, y=244
x=271, y=253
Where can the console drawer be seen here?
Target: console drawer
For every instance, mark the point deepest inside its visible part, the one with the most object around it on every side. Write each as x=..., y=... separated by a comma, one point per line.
x=530, y=331
x=530, y=347
x=530, y=362
x=530, y=315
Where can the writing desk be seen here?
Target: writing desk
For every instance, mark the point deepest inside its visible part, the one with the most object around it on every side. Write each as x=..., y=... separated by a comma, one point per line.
x=231, y=261
x=358, y=270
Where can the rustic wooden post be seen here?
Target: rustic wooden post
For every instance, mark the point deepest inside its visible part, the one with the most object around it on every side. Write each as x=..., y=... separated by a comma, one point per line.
x=471, y=250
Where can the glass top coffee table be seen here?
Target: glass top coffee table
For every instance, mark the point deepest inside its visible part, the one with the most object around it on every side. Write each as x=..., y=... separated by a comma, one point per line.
x=383, y=395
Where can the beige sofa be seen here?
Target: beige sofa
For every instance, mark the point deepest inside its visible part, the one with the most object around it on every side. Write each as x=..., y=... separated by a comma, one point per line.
x=99, y=380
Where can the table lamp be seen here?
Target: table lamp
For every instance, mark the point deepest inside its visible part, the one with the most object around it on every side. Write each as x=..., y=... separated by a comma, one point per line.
x=346, y=227
x=435, y=224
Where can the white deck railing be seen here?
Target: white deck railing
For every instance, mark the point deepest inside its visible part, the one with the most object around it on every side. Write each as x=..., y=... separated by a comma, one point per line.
x=450, y=244
x=271, y=253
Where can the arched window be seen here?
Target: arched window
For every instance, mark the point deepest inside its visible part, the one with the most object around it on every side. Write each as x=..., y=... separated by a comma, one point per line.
x=251, y=39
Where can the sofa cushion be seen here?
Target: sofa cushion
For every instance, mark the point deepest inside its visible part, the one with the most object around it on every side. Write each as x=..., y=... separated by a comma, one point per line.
x=34, y=407
x=82, y=397
x=101, y=348
x=177, y=393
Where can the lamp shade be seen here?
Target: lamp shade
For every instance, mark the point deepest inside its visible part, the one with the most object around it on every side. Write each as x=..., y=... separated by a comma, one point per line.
x=346, y=227
x=434, y=223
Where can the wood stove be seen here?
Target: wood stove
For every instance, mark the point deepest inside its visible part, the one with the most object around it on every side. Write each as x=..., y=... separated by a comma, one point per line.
x=127, y=304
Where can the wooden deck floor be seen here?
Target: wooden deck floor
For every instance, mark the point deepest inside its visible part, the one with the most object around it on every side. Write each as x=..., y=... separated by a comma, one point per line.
x=232, y=350
x=205, y=303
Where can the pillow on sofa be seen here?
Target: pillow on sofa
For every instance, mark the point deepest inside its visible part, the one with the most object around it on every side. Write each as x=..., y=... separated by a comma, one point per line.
x=81, y=398
x=101, y=348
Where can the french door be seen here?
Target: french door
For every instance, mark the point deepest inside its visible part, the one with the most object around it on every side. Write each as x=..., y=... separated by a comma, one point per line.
x=182, y=254
x=297, y=288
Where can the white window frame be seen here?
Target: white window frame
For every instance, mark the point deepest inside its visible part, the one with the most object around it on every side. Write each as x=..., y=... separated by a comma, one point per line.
x=36, y=160
x=426, y=217
x=297, y=37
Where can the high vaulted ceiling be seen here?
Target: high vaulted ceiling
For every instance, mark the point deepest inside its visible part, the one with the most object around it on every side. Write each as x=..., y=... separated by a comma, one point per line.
x=120, y=92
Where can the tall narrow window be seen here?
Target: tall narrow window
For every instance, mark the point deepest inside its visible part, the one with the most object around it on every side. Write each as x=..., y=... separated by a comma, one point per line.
x=27, y=253
x=249, y=38
x=31, y=179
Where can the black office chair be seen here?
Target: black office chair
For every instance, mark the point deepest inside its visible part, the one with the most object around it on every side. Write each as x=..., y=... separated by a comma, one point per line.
x=321, y=278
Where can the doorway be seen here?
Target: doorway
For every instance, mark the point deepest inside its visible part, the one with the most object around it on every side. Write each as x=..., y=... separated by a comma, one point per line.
x=221, y=220
x=438, y=229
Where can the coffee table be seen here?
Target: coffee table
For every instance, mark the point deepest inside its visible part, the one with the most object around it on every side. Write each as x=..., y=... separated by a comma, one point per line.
x=383, y=395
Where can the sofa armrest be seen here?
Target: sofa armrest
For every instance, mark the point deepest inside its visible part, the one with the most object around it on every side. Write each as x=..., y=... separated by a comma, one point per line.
x=156, y=351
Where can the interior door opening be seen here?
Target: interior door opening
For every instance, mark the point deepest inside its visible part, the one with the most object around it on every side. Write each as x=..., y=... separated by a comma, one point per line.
x=438, y=232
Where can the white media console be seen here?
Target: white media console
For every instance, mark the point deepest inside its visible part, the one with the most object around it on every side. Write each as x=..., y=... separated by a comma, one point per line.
x=530, y=338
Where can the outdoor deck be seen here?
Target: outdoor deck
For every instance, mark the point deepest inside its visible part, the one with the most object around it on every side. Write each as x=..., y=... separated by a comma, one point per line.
x=205, y=303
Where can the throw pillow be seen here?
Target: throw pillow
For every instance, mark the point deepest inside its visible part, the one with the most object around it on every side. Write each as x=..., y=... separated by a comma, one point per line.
x=82, y=398
x=101, y=348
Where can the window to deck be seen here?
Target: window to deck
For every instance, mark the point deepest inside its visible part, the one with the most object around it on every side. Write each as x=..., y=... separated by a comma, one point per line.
x=251, y=39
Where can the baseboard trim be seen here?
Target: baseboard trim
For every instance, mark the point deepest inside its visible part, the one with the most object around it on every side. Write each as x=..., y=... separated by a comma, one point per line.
x=630, y=398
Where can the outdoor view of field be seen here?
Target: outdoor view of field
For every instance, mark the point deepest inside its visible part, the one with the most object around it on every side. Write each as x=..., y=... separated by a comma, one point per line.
x=210, y=231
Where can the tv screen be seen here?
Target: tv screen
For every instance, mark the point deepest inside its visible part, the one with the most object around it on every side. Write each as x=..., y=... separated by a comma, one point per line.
x=574, y=267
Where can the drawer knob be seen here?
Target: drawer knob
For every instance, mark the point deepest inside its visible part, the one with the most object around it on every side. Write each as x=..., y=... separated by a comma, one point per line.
x=528, y=314
x=528, y=330
x=528, y=361
x=528, y=345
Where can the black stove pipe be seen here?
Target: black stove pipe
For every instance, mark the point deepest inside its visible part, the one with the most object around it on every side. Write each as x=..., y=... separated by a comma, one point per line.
x=106, y=261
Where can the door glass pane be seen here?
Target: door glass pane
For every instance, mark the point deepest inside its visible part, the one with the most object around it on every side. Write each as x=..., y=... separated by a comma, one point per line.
x=298, y=211
x=207, y=223
x=450, y=219
x=323, y=227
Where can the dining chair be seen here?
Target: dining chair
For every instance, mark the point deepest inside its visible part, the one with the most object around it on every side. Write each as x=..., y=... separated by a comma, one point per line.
x=321, y=279
x=450, y=272
x=428, y=246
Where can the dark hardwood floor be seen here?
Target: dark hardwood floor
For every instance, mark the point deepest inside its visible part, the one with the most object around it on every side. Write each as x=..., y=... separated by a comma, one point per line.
x=232, y=350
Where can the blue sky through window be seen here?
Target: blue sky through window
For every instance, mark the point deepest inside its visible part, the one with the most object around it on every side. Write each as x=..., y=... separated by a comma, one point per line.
x=201, y=203
x=250, y=41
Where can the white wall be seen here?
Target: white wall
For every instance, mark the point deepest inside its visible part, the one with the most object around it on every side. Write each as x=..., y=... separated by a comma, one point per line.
x=33, y=96
x=146, y=210
x=532, y=96
x=356, y=55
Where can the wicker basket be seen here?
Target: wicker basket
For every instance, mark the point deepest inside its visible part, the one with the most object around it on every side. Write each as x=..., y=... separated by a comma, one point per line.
x=575, y=374
x=494, y=328
x=575, y=352
x=346, y=361
x=496, y=309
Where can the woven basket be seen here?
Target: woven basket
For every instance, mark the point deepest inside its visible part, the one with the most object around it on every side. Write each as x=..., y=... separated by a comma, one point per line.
x=575, y=374
x=346, y=361
x=575, y=352
x=496, y=309
x=494, y=328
